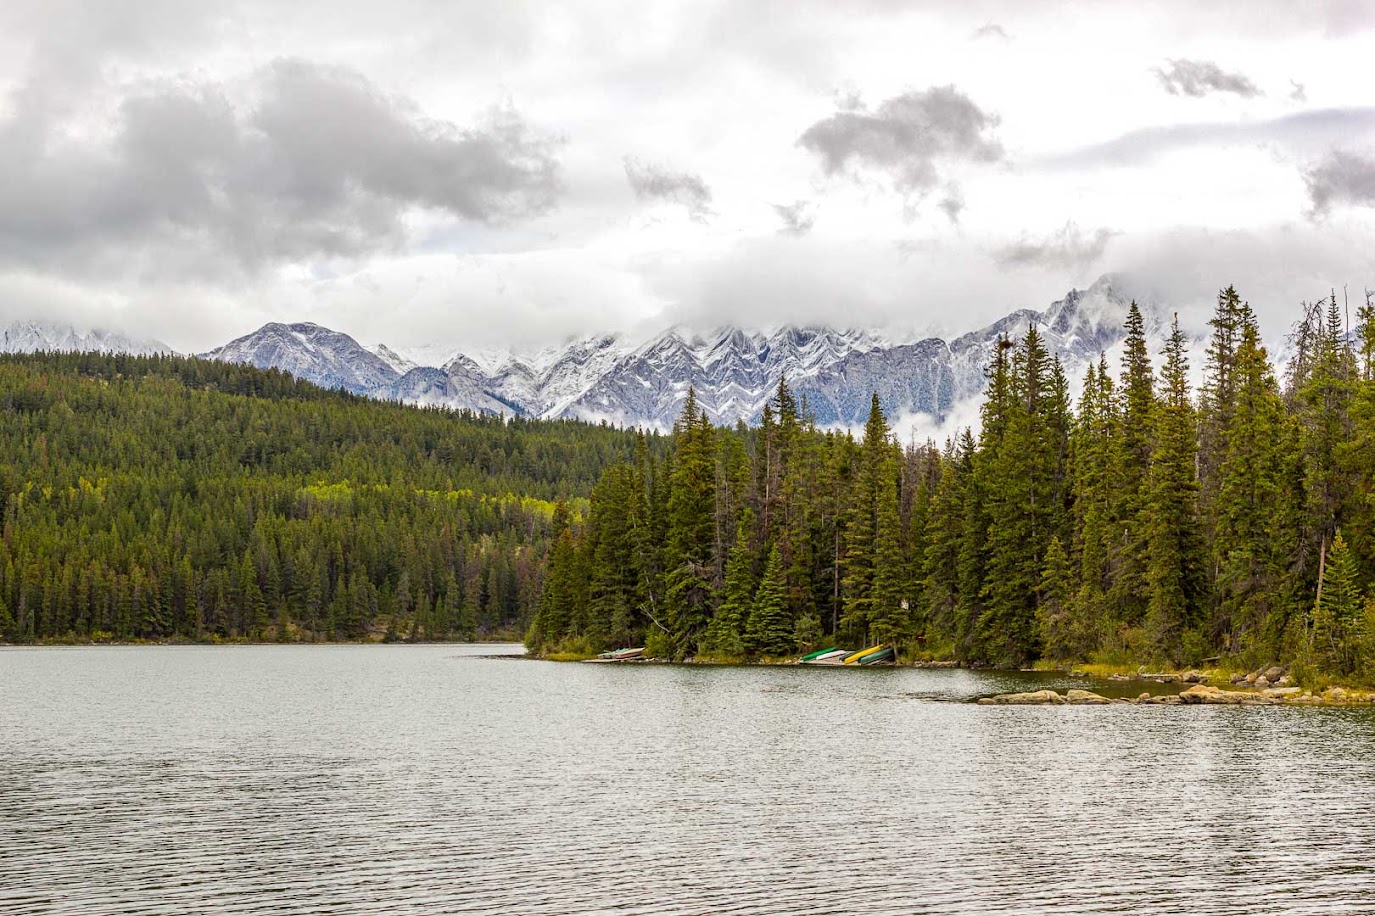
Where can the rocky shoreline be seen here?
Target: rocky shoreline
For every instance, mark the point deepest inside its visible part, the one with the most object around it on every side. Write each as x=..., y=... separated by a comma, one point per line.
x=1195, y=695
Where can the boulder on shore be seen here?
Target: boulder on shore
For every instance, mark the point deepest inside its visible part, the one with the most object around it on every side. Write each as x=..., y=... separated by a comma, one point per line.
x=1215, y=696
x=1086, y=698
x=1032, y=698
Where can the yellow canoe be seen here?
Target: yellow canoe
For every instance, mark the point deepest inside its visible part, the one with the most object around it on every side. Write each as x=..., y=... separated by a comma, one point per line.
x=851, y=659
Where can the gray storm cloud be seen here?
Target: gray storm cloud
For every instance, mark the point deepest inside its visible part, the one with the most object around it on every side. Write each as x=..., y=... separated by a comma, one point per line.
x=906, y=137
x=1069, y=247
x=1198, y=78
x=319, y=162
x=656, y=182
x=1341, y=178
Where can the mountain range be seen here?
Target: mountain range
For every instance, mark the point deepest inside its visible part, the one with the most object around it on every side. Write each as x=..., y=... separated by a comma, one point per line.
x=734, y=371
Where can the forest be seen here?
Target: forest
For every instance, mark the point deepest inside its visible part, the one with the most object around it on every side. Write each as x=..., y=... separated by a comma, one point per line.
x=1150, y=523
x=161, y=498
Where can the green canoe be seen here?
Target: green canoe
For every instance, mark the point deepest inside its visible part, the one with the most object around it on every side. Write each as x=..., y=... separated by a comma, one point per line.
x=883, y=656
x=817, y=654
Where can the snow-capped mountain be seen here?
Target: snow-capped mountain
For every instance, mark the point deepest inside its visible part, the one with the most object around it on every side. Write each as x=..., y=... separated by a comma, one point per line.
x=733, y=371
x=327, y=358
x=42, y=336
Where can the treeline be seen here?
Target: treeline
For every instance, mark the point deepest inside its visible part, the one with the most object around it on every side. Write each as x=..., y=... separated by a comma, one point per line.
x=161, y=497
x=1152, y=523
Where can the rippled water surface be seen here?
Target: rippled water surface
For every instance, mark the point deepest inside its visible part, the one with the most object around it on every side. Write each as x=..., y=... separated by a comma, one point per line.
x=434, y=779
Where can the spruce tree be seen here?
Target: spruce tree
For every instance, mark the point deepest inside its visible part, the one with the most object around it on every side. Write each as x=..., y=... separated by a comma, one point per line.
x=770, y=630
x=1251, y=496
x=726, y=634
x=1058, y=628
x=1174, y=571
x=689, y=579
x=1339, y=613
x=1128, y=546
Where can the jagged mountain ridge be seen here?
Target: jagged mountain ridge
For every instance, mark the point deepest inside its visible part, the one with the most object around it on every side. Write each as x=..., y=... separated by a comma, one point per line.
x=734, y=371
x=53, y=337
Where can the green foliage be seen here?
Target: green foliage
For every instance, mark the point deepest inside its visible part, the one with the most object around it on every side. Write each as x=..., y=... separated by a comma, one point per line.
x=771, y=630
x=170, y=498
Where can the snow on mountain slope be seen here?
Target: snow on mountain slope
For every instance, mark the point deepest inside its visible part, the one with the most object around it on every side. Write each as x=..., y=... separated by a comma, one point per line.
x=733, y=370
x=42, y=336
x=429, y=387
x=392, y=358
x=327, y=358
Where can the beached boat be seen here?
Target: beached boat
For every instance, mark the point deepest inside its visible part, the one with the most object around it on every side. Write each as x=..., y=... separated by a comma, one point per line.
x=622, y=655
x=828, y=657
x=884, y=656
x=854, y=657
x=811, y=655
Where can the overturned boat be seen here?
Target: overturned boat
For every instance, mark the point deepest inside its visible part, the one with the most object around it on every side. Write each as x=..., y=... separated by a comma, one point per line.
x=874, y=655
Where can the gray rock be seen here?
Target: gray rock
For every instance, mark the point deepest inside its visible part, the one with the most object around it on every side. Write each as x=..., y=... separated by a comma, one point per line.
x=1214, y=696
x=1031, y=698
x=1086, y=698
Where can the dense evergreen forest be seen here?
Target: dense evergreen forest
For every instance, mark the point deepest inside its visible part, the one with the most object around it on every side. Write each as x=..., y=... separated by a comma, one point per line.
x=1151, y=524
x=164, y=498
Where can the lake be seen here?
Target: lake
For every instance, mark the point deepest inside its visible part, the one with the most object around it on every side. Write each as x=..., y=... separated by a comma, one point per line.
x=402, y=779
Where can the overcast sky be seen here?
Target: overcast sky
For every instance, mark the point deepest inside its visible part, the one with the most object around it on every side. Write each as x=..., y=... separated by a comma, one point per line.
x=489, y=173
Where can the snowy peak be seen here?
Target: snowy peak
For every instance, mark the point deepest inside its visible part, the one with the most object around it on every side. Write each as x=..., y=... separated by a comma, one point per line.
x=51, y=337
x=306, y=350
x=734, y=370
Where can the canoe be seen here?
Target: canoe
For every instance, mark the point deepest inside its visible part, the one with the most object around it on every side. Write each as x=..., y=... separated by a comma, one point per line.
x=856, y=656
x=819, y=652
x=627, y=654
x=884, y=656
x=834, y=657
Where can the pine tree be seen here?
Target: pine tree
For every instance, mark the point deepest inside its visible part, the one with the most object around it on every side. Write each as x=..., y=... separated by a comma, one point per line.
x=727, y=631
x=889, y=619
x=1250, y=496
x=1137, y=435
x=690, y=570
x=770, y=629
x=1339, y=613
x=1024, y=493
x=1055, y=620
x=1174, y=572
x=862, y=522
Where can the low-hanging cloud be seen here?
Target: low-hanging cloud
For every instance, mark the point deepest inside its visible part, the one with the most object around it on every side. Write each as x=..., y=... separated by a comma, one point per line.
x=798, y=218
x=1198, y=78
x=906, y=137
x=1069, y=247
x=656, y=182
x=1342, y=177
x=316, y=162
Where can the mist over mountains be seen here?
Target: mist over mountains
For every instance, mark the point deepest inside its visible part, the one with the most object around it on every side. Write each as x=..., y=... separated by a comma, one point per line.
x=733, y=370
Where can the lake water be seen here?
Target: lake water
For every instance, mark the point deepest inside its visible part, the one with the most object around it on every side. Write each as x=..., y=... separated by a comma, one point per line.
x=432, y=779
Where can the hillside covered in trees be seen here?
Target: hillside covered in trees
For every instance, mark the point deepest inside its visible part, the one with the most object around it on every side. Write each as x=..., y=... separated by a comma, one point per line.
x=166, y=498
x=1149, y=523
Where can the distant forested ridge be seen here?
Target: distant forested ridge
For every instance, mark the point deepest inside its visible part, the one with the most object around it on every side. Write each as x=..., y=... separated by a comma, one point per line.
x=1151, y=522
x=164, y=498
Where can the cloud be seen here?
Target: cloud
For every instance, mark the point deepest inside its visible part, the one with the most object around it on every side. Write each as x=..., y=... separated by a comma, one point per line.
x=1198, y=78
x=990, y=30
x=906, y=137
x=952, y=204
x=1341, y=178
x=1068, y=247
x=1307, y=131
x=654, y=182
x=798, y=217
x=301, y=161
